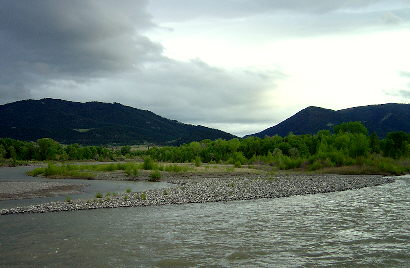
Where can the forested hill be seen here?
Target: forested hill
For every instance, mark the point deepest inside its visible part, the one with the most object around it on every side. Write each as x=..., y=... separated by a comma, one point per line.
x=95, y=123
x=381, y=119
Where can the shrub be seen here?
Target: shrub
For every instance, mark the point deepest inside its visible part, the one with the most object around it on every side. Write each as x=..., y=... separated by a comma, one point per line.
x=128, y=190
x=99, y=195
x=155, y=175
x=143, y=196
x=176, y=168
x=131, y=171
x=148, y=164
x=36, y=172
x=198, y=161
x=238, y=164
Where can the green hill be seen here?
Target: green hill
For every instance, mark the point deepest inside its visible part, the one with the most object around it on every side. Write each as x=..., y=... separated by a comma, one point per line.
x=382, y=119
x=95, y=123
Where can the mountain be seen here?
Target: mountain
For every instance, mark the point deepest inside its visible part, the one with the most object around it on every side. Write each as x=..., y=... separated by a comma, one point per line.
x=95, y=123
x=382, y=119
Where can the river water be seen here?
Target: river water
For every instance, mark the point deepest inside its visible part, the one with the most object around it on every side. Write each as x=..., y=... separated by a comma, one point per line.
x=369, y=227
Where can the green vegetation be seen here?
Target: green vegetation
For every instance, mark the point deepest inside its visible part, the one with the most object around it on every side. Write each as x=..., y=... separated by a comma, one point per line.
x=132, y=170
x=155, y=175
x=128, y=190
x=174, y=168
x=349, y=149
x=54, y=171
x=348, y=146
x=149, y=164
x=197, y=161
x=98, y=195
x=83, y=171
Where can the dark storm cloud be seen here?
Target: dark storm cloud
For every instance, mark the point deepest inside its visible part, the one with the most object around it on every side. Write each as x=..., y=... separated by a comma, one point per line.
x=47, y=39
x=96, y=50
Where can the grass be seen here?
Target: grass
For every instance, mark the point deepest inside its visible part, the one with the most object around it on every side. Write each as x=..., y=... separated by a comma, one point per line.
x=155, y=175
x=83, y=171
x=64, y=171
x=373, y=164
x=149, y=164
x=175, y=168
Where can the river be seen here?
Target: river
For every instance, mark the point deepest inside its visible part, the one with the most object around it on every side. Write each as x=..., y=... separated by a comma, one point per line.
x=367, y=227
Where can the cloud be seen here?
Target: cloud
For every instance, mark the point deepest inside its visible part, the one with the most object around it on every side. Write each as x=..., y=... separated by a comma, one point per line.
x=404, y=74
x=42, y=40
x=86, y=50
x=283, y=18
x=392, y=19
x=192, y=91
x=404, y=93
x=179, y=10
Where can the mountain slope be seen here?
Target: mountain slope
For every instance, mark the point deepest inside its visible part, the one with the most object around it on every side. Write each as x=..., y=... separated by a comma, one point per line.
x=382, y=119
x=95, y=123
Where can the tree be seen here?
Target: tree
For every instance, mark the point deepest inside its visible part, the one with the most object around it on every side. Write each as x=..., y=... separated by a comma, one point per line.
x=374, y=143
x=125, y=150
x=3, y=152
x=48, y=148
x=351, y=127
x=395, y=144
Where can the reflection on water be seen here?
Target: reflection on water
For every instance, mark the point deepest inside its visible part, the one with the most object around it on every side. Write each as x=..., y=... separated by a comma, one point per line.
x=367, y=227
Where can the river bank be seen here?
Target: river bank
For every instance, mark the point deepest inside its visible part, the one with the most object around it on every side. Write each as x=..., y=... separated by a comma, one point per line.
x=12, y=190
x=211, y=189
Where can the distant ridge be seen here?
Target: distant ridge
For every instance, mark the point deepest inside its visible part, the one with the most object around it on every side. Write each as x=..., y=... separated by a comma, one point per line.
x=381, y=118
x=95, y=123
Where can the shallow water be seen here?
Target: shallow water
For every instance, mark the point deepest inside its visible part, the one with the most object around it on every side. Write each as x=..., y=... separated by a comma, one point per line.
x=89, y=191
x=367, y=227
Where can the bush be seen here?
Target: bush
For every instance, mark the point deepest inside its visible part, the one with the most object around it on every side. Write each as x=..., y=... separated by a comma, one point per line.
x=285, y=162
x=198, y=161
x=148, y=164
x=155, y=175
x=176, y=168
x=238, y=164
x=132, y=170
x=99, y=195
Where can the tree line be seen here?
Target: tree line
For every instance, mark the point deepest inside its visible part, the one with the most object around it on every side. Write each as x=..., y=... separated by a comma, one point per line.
x=348, y=144
x=49, y=149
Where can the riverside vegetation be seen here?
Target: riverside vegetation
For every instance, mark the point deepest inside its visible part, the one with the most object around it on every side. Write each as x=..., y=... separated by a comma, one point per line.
x=349, y=149
x=225, y=170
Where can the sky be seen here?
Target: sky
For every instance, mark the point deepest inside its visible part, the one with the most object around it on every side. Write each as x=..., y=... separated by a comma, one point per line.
x=237, y=65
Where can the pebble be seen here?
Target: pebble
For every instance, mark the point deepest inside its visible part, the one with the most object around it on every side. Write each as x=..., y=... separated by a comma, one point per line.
x=216, y=190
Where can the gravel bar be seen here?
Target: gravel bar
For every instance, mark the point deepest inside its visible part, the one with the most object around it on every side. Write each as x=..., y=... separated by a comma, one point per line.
x=33, y=189
x=215, y=190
